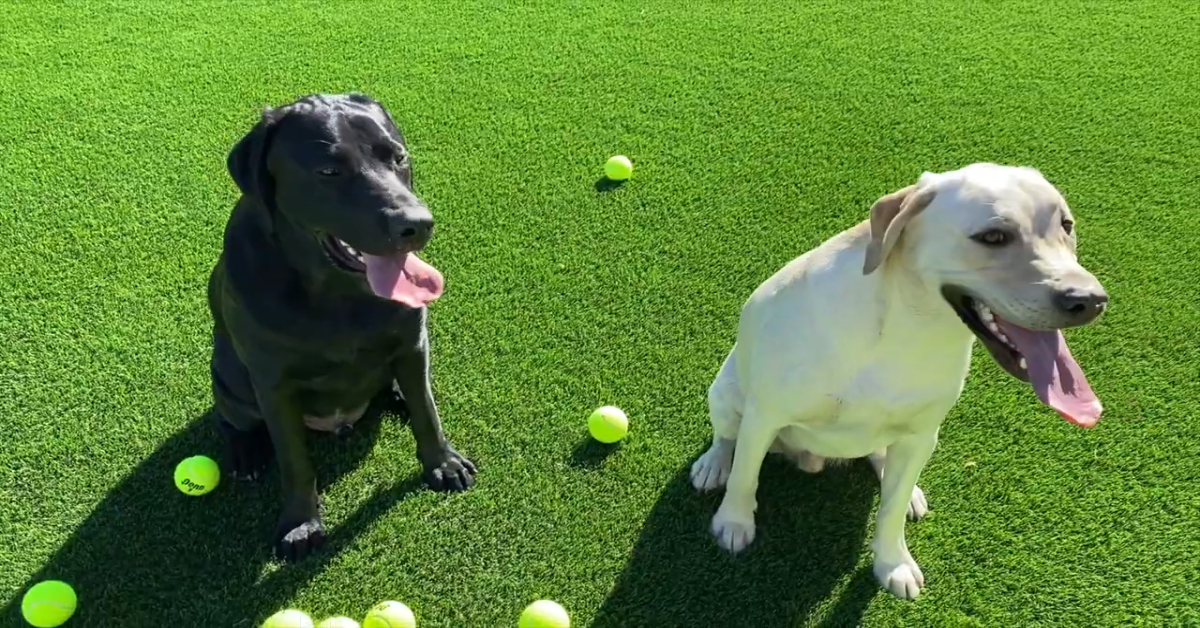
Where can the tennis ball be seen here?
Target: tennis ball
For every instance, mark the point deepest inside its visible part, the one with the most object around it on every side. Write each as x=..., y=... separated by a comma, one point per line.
x=618, y=168
x=544, y=614
x=608, y=424
x=290, y=618
x=338, y=622
x=197, y=475
x=48, y=604
x=389, y=614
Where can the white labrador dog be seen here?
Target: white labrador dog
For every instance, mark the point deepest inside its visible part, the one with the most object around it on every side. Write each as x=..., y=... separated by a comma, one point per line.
x=861, y=346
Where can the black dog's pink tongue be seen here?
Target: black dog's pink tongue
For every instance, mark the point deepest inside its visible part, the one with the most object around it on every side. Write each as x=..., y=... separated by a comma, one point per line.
x=1054, y=374
x=404, y=278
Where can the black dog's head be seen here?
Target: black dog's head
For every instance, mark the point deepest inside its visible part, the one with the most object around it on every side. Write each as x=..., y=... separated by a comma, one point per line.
x=333, y=174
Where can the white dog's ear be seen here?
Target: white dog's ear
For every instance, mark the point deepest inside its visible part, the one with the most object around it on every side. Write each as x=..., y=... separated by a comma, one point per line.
x=890, y=213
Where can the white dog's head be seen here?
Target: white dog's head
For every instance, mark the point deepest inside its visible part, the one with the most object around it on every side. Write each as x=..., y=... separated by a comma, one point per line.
x=998, y=242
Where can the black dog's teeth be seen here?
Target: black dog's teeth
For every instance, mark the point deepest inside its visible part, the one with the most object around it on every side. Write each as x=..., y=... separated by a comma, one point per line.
x=349, y=249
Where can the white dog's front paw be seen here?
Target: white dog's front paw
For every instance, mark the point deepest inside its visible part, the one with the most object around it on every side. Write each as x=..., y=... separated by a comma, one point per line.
x=918, y=506
x=711, y=470
x=733, y=531
x=903, y=578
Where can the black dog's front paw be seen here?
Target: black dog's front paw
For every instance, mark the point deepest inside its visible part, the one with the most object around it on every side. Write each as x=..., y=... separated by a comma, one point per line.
x=249, y=453
x=296, y=540
x=452, y=472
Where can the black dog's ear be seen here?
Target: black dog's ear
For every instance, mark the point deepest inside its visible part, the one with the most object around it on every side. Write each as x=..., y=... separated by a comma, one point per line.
x=407, y=175
x=247, y=160
x=367, y=100
x=361, y=98
x=399, y=131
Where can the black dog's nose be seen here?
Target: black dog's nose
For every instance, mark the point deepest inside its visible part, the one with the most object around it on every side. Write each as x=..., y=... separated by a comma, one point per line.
x=1082, y=306
x=413, y=231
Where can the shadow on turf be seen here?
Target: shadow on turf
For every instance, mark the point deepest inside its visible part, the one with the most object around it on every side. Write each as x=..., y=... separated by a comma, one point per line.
x=605, y=184
x=150, y=556
x=590, y=453
x=811, y=533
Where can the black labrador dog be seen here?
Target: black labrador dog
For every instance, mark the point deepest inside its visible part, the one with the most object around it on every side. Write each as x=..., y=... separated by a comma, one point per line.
x=319, y=300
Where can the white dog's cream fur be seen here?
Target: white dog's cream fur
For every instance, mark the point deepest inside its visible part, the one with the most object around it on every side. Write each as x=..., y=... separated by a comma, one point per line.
x=851, y=350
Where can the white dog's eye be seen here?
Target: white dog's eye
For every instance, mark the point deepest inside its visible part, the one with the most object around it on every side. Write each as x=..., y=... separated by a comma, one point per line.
x=1068, y=226
x=993, y=237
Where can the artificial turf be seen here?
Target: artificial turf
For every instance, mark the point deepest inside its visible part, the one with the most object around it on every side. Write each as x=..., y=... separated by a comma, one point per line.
x=757, y=130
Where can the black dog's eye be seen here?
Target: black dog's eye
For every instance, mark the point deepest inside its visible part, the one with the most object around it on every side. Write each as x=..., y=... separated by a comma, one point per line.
x=401, y=158
x=1068, y=226
x=993, y=237
x=328, y=172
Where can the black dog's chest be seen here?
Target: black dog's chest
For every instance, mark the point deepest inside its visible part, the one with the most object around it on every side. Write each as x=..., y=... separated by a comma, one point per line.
x=337, y=382
x=352, y=356
x=364, y=332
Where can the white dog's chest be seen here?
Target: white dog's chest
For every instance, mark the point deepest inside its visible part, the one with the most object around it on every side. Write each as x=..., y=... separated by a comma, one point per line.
x=873, y=410
x=855, y=429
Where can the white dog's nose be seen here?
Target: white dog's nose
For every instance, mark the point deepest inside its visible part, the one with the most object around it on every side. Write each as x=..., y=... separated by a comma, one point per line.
x=1081, y=306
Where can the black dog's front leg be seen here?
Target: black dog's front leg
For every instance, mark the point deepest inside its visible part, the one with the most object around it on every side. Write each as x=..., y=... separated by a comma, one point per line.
x=300, y=530
x=444, y=468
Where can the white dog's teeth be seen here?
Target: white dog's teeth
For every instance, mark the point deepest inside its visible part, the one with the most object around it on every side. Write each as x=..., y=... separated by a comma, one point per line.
x=992, y=327
x=1023, y=364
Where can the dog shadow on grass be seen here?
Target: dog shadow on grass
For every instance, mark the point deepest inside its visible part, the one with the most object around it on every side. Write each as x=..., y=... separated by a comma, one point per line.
x=150, y=556
x=811, y=534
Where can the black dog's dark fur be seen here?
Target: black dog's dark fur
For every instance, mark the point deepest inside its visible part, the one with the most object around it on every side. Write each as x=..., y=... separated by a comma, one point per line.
x=297, y=334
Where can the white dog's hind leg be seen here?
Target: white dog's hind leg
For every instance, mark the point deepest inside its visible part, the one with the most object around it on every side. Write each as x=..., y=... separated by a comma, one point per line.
x=791, y=446
x=733, y=525
x=711, y=470
x=918, y=506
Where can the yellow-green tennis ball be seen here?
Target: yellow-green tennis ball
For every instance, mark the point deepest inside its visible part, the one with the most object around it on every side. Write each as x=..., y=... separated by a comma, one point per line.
x=197, y=475
x=618, y=168
x=544, y=614
x=338, y=622
x=390, y=614
x=608, y=424
x=290, y=618
x=48, y=604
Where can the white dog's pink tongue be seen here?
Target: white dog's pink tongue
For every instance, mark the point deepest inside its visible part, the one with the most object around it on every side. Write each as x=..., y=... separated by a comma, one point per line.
x=1054, y=374
x=404, y=278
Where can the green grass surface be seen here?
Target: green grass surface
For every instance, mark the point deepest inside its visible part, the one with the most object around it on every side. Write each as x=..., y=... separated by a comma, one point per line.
x=758, y=129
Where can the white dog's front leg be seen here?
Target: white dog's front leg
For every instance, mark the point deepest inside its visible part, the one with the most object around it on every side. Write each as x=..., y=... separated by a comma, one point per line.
x=918, y=507
x=711, y=470
x=733, y=524
x=894, y=565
